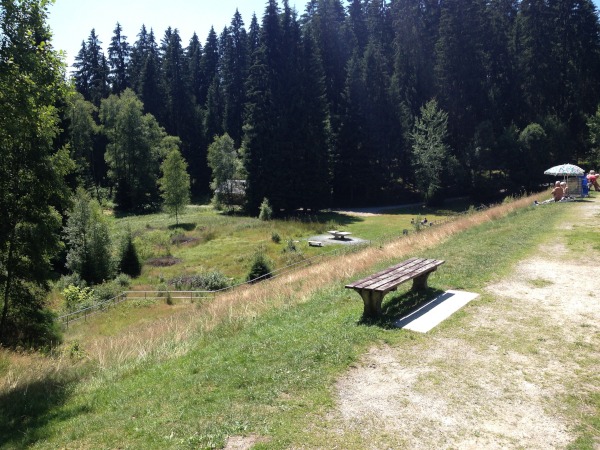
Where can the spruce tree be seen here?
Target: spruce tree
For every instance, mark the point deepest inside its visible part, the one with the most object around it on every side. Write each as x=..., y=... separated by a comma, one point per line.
x=500, y=68
x=118, y=60
x=313, y=169
x=92, y=71
x=351, y=166
x=263, y=159
x=460, y=69
x=356, y=25
x=138, y=53
x=177, y=111
x=193, y=54
x=325, y=26
x=209, y=66
x=234, y=73
x=150, y=89
x=82, y=74
x=415, y=37
x=195, y=141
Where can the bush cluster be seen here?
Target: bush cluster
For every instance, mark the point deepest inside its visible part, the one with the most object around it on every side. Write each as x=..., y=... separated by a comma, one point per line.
x=208, y=281
x=78, y=297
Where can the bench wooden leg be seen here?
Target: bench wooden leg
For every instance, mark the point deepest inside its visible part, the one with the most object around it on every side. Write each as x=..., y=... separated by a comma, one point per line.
x=420, y=282
x=372, y=301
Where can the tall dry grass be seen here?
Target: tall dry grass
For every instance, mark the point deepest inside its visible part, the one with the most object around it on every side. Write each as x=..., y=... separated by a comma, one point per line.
x=171, y=337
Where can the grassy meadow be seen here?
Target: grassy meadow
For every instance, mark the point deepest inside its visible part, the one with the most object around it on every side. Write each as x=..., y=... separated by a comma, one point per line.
x=207, y=240
x=261, y=360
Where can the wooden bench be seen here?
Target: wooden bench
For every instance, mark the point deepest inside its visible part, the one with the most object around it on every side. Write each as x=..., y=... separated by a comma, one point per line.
x=373, y=288
x=339, y=234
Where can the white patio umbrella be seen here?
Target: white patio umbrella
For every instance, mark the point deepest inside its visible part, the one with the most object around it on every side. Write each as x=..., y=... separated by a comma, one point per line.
x=565, y=170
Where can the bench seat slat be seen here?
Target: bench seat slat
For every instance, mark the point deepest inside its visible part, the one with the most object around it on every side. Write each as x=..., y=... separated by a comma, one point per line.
x=380, y=275
x=393, y=283
x=393, y=272
x=400, y=276
x=408, y=270
x=388, y=279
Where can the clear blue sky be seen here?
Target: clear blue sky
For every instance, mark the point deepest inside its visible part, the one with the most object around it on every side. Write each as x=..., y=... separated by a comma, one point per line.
x=72, y=20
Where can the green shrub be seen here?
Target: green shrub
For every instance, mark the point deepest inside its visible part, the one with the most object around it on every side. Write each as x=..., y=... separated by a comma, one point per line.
x=71, y=279
x=260, y=269
x=29, y=323
x=107, y=291
x=275, y=237
x=77, y=298
x=266, y=212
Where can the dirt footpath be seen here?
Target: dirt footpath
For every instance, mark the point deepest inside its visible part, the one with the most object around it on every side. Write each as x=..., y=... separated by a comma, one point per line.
x=505, y=379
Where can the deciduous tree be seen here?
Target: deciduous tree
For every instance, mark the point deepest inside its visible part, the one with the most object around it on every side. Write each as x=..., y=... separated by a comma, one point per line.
x=88, y=240
x=174, y=184
x=430, y=152
x=83, y=132
x=32, y=187
x=225, y=165
x=136, y=144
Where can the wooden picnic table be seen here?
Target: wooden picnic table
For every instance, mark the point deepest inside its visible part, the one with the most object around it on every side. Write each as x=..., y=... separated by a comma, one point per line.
x=339, y=234
x=373, y=288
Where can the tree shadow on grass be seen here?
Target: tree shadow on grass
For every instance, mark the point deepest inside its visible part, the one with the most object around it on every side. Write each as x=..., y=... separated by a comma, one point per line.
x=26, y=411
x=339, y=218
x=187, y=226
x=398, y=306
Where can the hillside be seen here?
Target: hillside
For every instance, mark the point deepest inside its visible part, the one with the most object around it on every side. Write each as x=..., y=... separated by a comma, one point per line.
x=287, y=364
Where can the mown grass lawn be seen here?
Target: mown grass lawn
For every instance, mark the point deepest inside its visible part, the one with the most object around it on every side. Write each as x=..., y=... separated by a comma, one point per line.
x=271, y=375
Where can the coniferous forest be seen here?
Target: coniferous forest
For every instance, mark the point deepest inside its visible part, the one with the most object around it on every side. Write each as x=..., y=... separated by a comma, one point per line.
x=357, y=102
x=322, y=105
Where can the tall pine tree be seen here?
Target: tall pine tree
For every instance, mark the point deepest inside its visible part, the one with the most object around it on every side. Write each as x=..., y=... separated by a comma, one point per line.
x=118, y=59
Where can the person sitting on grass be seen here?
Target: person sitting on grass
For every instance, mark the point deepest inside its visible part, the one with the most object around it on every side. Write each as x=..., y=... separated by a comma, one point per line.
x=557, y=192
x=565, y=189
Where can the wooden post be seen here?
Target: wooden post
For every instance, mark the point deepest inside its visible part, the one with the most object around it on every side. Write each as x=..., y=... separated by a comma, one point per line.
x=420, y=282
x=372, y=301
